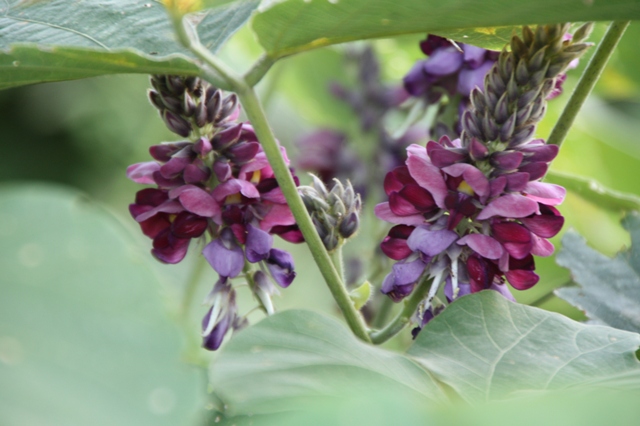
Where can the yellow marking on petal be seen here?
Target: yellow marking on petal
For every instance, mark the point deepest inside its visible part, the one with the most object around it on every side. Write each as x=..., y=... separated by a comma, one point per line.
x=172, y=217
x=255, y=178
x=465, y=188
x=233, y=199
x=486, y=30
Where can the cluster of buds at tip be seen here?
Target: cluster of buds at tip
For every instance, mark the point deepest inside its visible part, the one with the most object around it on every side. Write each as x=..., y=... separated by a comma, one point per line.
x=185, y=104
x=505, y=112
x=335, y=213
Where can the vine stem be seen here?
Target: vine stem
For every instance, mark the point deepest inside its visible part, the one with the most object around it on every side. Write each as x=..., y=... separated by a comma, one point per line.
x=271, y=147
x=587, y=81
x=404, y=317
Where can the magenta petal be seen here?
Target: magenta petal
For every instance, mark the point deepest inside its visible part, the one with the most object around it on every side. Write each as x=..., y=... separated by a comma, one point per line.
x=431, y=243
x=170, y=206
x=515, y=238
x=497, y=186
x=228, y=262
x=395, y=248
x=541, y=247
x=383, y=211
x=174, y=166
x=143, y=172
x=536, y=170
x=169, y=249
x=517, y=181
x=235, y=186
x=401, y=207
x=509, y=206
x=278, y=215
x=543, y=153
x=426, y=174
x=545, y=193
x=484, y=245
x=474, y=177
x=196, y=200
x=521, y=279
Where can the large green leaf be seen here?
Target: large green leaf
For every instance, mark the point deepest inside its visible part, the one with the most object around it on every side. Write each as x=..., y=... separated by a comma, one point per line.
x=296, y=358
x=52, y=40
x=84, y=337
x=486, y=347
x=292, y=26
x=609, y=289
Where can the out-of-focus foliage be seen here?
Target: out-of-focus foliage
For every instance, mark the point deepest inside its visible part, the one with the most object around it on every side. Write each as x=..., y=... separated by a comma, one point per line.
x=84, y=336
x=609, y=290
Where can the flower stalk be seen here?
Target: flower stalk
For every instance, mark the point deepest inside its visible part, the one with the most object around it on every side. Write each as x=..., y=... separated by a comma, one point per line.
x=257, y=117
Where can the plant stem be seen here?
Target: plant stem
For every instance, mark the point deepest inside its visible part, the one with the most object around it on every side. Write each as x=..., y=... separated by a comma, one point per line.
x=258, y=120
x=404, y=317
x=271, y=148
x=587, y=81
x=258, y=70
x=338, y=262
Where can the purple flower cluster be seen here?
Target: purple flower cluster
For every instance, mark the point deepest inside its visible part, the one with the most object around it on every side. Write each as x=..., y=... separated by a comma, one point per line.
x=472, y=212
x=473, y=231
x=220, y=186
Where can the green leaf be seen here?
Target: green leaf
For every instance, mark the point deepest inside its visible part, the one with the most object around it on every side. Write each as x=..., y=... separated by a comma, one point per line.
x=43, y=41
x=292, y=26
x=84, y=337
x=609, y=290
x=485, y=347
x=296, y=358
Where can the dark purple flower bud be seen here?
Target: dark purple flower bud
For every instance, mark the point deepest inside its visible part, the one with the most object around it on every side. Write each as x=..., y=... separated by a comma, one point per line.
x=395, y=245
x=545, y=225
x=522, y=136
x=521, y=273
x=543, y=153
x=213, y=103
x=516, y=182
x=481, y=272
x=349, y=225
x=176, y=124
x=188, y=225
x=280, y=264
x=168, y=248
x=515, y=238
x=225, y=255
x=226, y=138
x=443, y=157
x=164, y=151
x=258, y=244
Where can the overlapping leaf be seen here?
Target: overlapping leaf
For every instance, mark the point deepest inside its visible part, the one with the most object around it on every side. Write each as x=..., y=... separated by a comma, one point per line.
x=487, y=348
x=53, y=40
x=609, y=290
x=290, y=26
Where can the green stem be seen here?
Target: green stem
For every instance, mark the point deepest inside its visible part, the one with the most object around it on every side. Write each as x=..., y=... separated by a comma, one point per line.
x=404, y=317
x=338, y=261
x=258, y=70
x=587, y=81
x=271, y=148
x=258, y=120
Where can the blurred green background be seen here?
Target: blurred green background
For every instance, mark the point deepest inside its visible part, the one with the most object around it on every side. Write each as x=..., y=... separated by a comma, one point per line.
x=80, y=136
